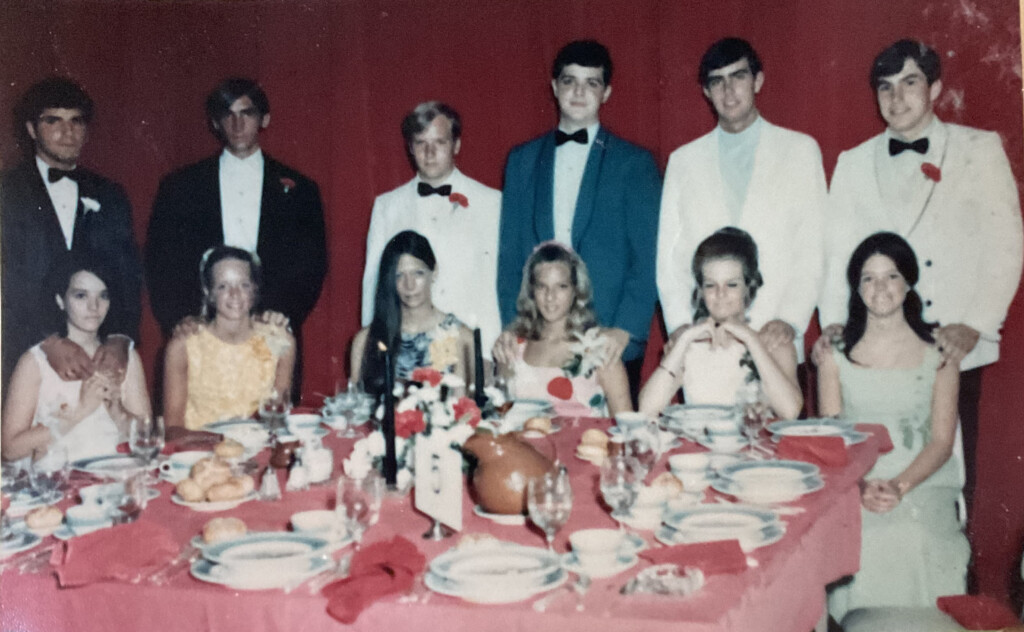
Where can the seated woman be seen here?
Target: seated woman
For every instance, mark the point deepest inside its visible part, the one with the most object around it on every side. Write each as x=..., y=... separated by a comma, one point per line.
x=227, y=366
x=559, y=353
x=889, y=371
x=405, y=321
x=720, y=359
x=86, y=417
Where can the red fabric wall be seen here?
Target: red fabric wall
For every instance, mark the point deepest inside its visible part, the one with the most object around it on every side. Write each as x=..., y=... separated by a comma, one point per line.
x=341, y=75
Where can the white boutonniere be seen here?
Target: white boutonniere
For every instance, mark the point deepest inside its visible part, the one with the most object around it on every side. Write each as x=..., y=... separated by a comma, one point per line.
x=589, y=350
x=91, y=205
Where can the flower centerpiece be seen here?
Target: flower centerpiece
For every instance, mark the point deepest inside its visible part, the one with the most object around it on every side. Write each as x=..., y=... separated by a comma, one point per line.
x=426, y=406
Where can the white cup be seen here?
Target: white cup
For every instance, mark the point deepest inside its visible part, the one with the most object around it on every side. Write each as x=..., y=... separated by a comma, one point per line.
x=319, y=522
x=106, y=495
x=597, y=548
x=178, y=465
x=691, y=469
x=86, y=518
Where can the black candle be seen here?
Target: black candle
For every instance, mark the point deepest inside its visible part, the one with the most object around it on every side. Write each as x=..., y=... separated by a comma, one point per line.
x=478, y=369
x=388, y=425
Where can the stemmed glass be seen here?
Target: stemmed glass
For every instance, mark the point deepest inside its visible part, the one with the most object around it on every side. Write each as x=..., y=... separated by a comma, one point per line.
x=145, y=440
x=354, y=506
x=273, y=410
x=753, y=412
x=549, y=502
x=48, y=476
x=345, y=403
x=642, y=446
x=620, y=483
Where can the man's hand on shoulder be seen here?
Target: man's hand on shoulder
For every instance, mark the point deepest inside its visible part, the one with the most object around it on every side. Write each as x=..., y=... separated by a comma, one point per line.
x=111, y=358
x=67, y=359
x=276, y=319
x=822, y=348
x=775, y=334
x=504, y=350
x=187, y=326
x=956, y=341
x=618, y=340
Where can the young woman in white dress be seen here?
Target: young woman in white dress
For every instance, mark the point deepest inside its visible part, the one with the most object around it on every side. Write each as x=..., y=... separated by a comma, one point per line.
x=721, y=358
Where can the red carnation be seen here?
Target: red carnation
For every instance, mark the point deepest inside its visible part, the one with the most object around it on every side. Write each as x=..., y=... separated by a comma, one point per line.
x=426, y=375
x=409, y=423
x=931, y=172
x=466, y=411
x=560, y=387
x=458, y=198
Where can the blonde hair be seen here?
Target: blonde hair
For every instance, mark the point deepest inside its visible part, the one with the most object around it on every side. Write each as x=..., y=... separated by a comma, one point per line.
x=528, y=322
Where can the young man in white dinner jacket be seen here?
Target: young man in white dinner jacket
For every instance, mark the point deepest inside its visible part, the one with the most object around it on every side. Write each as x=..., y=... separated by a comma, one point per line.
x=752, y=175
x=458, y=215
x=948, y=190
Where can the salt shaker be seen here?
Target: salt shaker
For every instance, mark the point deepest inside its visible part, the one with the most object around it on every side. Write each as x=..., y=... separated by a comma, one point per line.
x=270, y=489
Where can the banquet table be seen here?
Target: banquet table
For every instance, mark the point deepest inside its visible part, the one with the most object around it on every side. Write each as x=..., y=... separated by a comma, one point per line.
x=782, y=589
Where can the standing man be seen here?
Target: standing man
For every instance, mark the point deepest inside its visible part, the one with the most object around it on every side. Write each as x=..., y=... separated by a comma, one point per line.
x=948, y=190
x=753, y=175
x=243, y=198
x=51, y=208
x=587, y=188
x=458, y=215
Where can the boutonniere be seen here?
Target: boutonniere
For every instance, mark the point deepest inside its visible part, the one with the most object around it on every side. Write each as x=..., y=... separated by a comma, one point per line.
x=91, y=205
x=458, y=198
x=931, y=172
x=288, y=184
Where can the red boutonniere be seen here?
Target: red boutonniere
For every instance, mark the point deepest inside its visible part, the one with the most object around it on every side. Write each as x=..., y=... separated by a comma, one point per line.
x=931, y=172
x=466, y=411
x=458, y=198
x=409, y=423
x=426, y=375
x=288, y=184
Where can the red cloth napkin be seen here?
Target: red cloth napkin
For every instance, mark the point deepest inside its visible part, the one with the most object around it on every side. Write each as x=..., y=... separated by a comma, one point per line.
x=120, y=553
x=714, y=558
x=378, y=570
x=823, y=451
x=978, y=612
x=880, y=431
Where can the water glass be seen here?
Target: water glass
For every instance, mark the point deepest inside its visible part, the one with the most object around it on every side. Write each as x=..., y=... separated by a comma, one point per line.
x=549, y=502
x=48, y=476
x=273, y=410
x=146, y=440
x=620, y=483
x=353, y=506
x=643, y=447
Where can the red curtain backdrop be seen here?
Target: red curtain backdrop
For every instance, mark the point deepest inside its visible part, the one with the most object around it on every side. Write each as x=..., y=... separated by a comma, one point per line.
x=340, y=76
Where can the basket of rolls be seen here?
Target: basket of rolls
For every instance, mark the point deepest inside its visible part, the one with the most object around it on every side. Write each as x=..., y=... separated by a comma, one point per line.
x=212, y=486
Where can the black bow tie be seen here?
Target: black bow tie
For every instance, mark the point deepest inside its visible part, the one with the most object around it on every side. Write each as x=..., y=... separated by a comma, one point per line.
x=579, y=136
x=897, y=146
x=54, y=174
x=425, y=189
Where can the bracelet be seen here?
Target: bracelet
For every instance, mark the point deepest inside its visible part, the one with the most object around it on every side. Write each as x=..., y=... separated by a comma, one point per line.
x=675, y=376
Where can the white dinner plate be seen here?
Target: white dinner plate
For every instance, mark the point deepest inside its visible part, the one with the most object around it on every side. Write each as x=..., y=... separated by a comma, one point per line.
x=206, y=506
x=748, y=541
x=22, y=541
x=26, y=500
x=781, y=471
x=485, y=594
x=111, y=465
x=207, y=571
x=720, y=518
x=768, y=493
x=500, y=564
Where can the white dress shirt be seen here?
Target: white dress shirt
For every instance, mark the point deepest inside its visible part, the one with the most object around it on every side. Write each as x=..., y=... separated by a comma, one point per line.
x=64, y=195
x=570, y=162
x=736, y=161
x=241, y=192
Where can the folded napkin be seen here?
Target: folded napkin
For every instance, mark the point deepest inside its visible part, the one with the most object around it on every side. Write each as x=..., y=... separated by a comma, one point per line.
x=978, y=612
x=379, y=570
x=823, y=451
x=713, y=558
x=120, y=553
x=880, y=431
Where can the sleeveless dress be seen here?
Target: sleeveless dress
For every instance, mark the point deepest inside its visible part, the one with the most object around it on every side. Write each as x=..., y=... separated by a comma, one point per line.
x=570, y=395
x=916, y=552
x=716, y=375
x=228, y=380
x=437, y=348
x=96, y=435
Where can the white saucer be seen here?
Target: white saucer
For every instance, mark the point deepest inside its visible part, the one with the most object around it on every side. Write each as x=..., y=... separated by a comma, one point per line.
x=511, y=520
x=205, y=570
x=623, y=563
x=222, y=505
x=23, y=503
x=23, y=541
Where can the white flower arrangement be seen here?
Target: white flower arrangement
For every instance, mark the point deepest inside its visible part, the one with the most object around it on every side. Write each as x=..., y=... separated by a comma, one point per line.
x=589, y=350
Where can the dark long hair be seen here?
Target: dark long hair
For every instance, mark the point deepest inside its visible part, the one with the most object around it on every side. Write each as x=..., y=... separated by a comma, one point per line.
x=725, y=243
x=58, y=279
x=899, y=251
x=386, y=326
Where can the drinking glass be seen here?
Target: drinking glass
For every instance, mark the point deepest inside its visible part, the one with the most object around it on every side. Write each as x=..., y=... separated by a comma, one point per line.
x=643, y=447
x=549, y=502
x=620, y=483
x=273, y=410
x=353, y=506
x=48, y=476
x=753, y=412
x=145, y=440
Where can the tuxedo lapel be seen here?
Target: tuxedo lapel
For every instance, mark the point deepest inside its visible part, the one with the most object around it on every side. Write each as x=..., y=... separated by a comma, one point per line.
x=269, y=204
x=924, y=196
x=46, y=214
x=588, y=188
x=713, y=207
x=544, y=191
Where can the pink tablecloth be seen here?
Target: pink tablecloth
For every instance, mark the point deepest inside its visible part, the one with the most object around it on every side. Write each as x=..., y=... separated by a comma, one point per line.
x=783, y=592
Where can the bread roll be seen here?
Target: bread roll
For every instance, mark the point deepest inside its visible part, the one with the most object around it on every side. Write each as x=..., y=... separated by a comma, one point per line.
x=670, y=482
x=220, y=529
x=209, y=472
x=229, y=449
x=190, y=491
x=593, y=453
x=538, y=424
x=44, y=518
x=594, y=437
x=231, y=490
x=245, y=481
